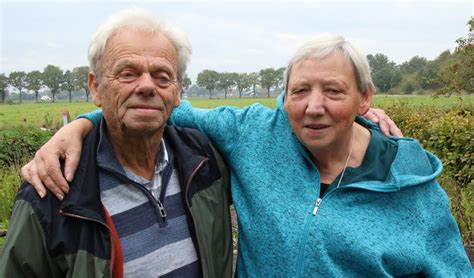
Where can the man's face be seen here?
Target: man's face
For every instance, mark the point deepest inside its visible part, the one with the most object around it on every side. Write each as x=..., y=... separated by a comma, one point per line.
x=138, y=88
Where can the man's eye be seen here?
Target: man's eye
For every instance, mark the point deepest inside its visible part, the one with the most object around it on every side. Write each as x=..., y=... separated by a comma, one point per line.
x=127, y=76
x=163, y=80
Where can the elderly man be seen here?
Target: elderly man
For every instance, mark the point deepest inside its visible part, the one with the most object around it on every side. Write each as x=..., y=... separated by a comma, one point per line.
x=148, y=199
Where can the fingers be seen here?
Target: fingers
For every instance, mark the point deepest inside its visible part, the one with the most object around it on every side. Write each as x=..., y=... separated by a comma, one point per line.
x=393, y=128
x=29, y=173
x=370, y=115
x=387, y=125
x=50, y=173
x=72, y=162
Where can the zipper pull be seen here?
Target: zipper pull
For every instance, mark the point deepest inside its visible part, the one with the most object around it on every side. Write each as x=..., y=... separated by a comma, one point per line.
x=316, y=206
x=161, y=208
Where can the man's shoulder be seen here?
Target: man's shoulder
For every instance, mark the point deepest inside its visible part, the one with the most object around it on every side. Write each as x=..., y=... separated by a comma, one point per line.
x=41, y=206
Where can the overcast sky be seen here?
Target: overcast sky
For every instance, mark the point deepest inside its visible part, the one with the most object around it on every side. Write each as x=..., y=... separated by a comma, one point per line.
x=234, y=36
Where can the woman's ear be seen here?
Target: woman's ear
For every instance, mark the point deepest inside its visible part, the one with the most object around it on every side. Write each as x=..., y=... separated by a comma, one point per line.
x=366, y=100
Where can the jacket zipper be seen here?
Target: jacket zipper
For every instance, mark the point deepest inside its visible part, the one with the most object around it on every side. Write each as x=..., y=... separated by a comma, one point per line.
x=317, y=205
x=188, y=183
x=112, y=255
x=161, y=208
x=309, y=219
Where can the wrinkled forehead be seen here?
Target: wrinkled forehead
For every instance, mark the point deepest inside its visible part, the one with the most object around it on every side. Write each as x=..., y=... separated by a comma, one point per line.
x=139, y=43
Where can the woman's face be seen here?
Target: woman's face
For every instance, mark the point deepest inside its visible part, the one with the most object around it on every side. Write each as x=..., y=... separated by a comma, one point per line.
x=322, y=101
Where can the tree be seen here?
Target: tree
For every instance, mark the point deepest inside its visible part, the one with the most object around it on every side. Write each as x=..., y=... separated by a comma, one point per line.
x=3, y=86
x=186, y=83
x=415, y=64
x=408, y=88
x=80, y=75
x=458, y=75
x=225, y=80
x=208, y=79
x=68, y=83
x=18, y=81
x=242, y=81
x=385, y=74
x=253, y=79
x=279, y=78
x=428, y=75
x=268, y=78
x=34, y=82
x=53, y=78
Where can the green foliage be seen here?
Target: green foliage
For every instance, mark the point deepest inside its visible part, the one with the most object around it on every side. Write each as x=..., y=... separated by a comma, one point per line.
x=3, y=86
x=413, y=65
x=80, y=76
x=67, y=83
x=385, y=74
x=34, y=82
x=186, y=81
x=225, y=80
x=242, y=82
x=17, y=79
x=458, y=75
x=36, y=115
x=208, y=79
x=268, y=78
x=9, y=184
x=408, y=88
x=19, y=145
x=53, y=78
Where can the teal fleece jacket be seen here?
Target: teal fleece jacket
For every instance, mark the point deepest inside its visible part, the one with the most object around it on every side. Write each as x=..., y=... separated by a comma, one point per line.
x=401, y=226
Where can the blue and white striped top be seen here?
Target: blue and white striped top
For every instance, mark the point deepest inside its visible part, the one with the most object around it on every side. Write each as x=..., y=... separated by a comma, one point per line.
x=152, y=245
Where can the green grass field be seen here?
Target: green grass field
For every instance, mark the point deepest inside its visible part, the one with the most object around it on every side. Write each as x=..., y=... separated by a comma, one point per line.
x=49, y=114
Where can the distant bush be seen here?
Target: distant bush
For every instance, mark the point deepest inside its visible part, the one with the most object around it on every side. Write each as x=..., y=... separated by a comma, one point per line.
x=9, y=184
x=19, y=145
x=448, y=133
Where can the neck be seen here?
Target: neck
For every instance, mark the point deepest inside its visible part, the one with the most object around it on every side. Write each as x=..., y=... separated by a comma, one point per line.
x=349, y=152
x=136, y=151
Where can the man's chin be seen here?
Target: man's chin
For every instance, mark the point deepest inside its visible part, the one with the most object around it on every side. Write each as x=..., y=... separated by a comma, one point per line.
x=144, y=128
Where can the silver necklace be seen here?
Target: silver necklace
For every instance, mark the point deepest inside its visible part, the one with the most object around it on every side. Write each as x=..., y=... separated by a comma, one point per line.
x=348, y=157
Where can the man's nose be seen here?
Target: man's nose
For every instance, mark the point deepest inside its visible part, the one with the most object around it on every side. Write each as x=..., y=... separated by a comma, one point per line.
x=146, y=85
x=316, y=102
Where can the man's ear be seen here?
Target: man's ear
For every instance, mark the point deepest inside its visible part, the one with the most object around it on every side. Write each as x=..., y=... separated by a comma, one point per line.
x=179, y=90
x=93, y=84
x=366, y=101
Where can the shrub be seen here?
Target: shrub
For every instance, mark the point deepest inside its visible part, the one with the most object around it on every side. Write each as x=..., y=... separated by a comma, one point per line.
x=19, y=145
x=9, y=184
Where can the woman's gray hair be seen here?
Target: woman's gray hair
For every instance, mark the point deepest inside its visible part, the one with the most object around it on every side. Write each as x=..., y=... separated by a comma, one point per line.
x=321, y=46
x=138, y=18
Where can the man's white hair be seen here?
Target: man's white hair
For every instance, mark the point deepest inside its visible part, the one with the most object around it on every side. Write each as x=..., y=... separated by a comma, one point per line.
x=140, y=19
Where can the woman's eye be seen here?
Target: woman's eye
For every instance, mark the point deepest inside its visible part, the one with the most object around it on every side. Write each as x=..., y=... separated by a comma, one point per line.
x=334, y=91
x=297, y=91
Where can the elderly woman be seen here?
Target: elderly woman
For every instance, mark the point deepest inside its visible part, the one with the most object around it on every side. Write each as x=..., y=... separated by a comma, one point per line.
x=318, y=191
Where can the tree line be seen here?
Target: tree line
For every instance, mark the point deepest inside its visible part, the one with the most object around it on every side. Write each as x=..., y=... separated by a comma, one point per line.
x=447, y=74
x=52, y=78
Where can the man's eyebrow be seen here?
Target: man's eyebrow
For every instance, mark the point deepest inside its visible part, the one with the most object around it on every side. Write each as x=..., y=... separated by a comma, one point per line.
x=162, y=67
x=123, y=64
